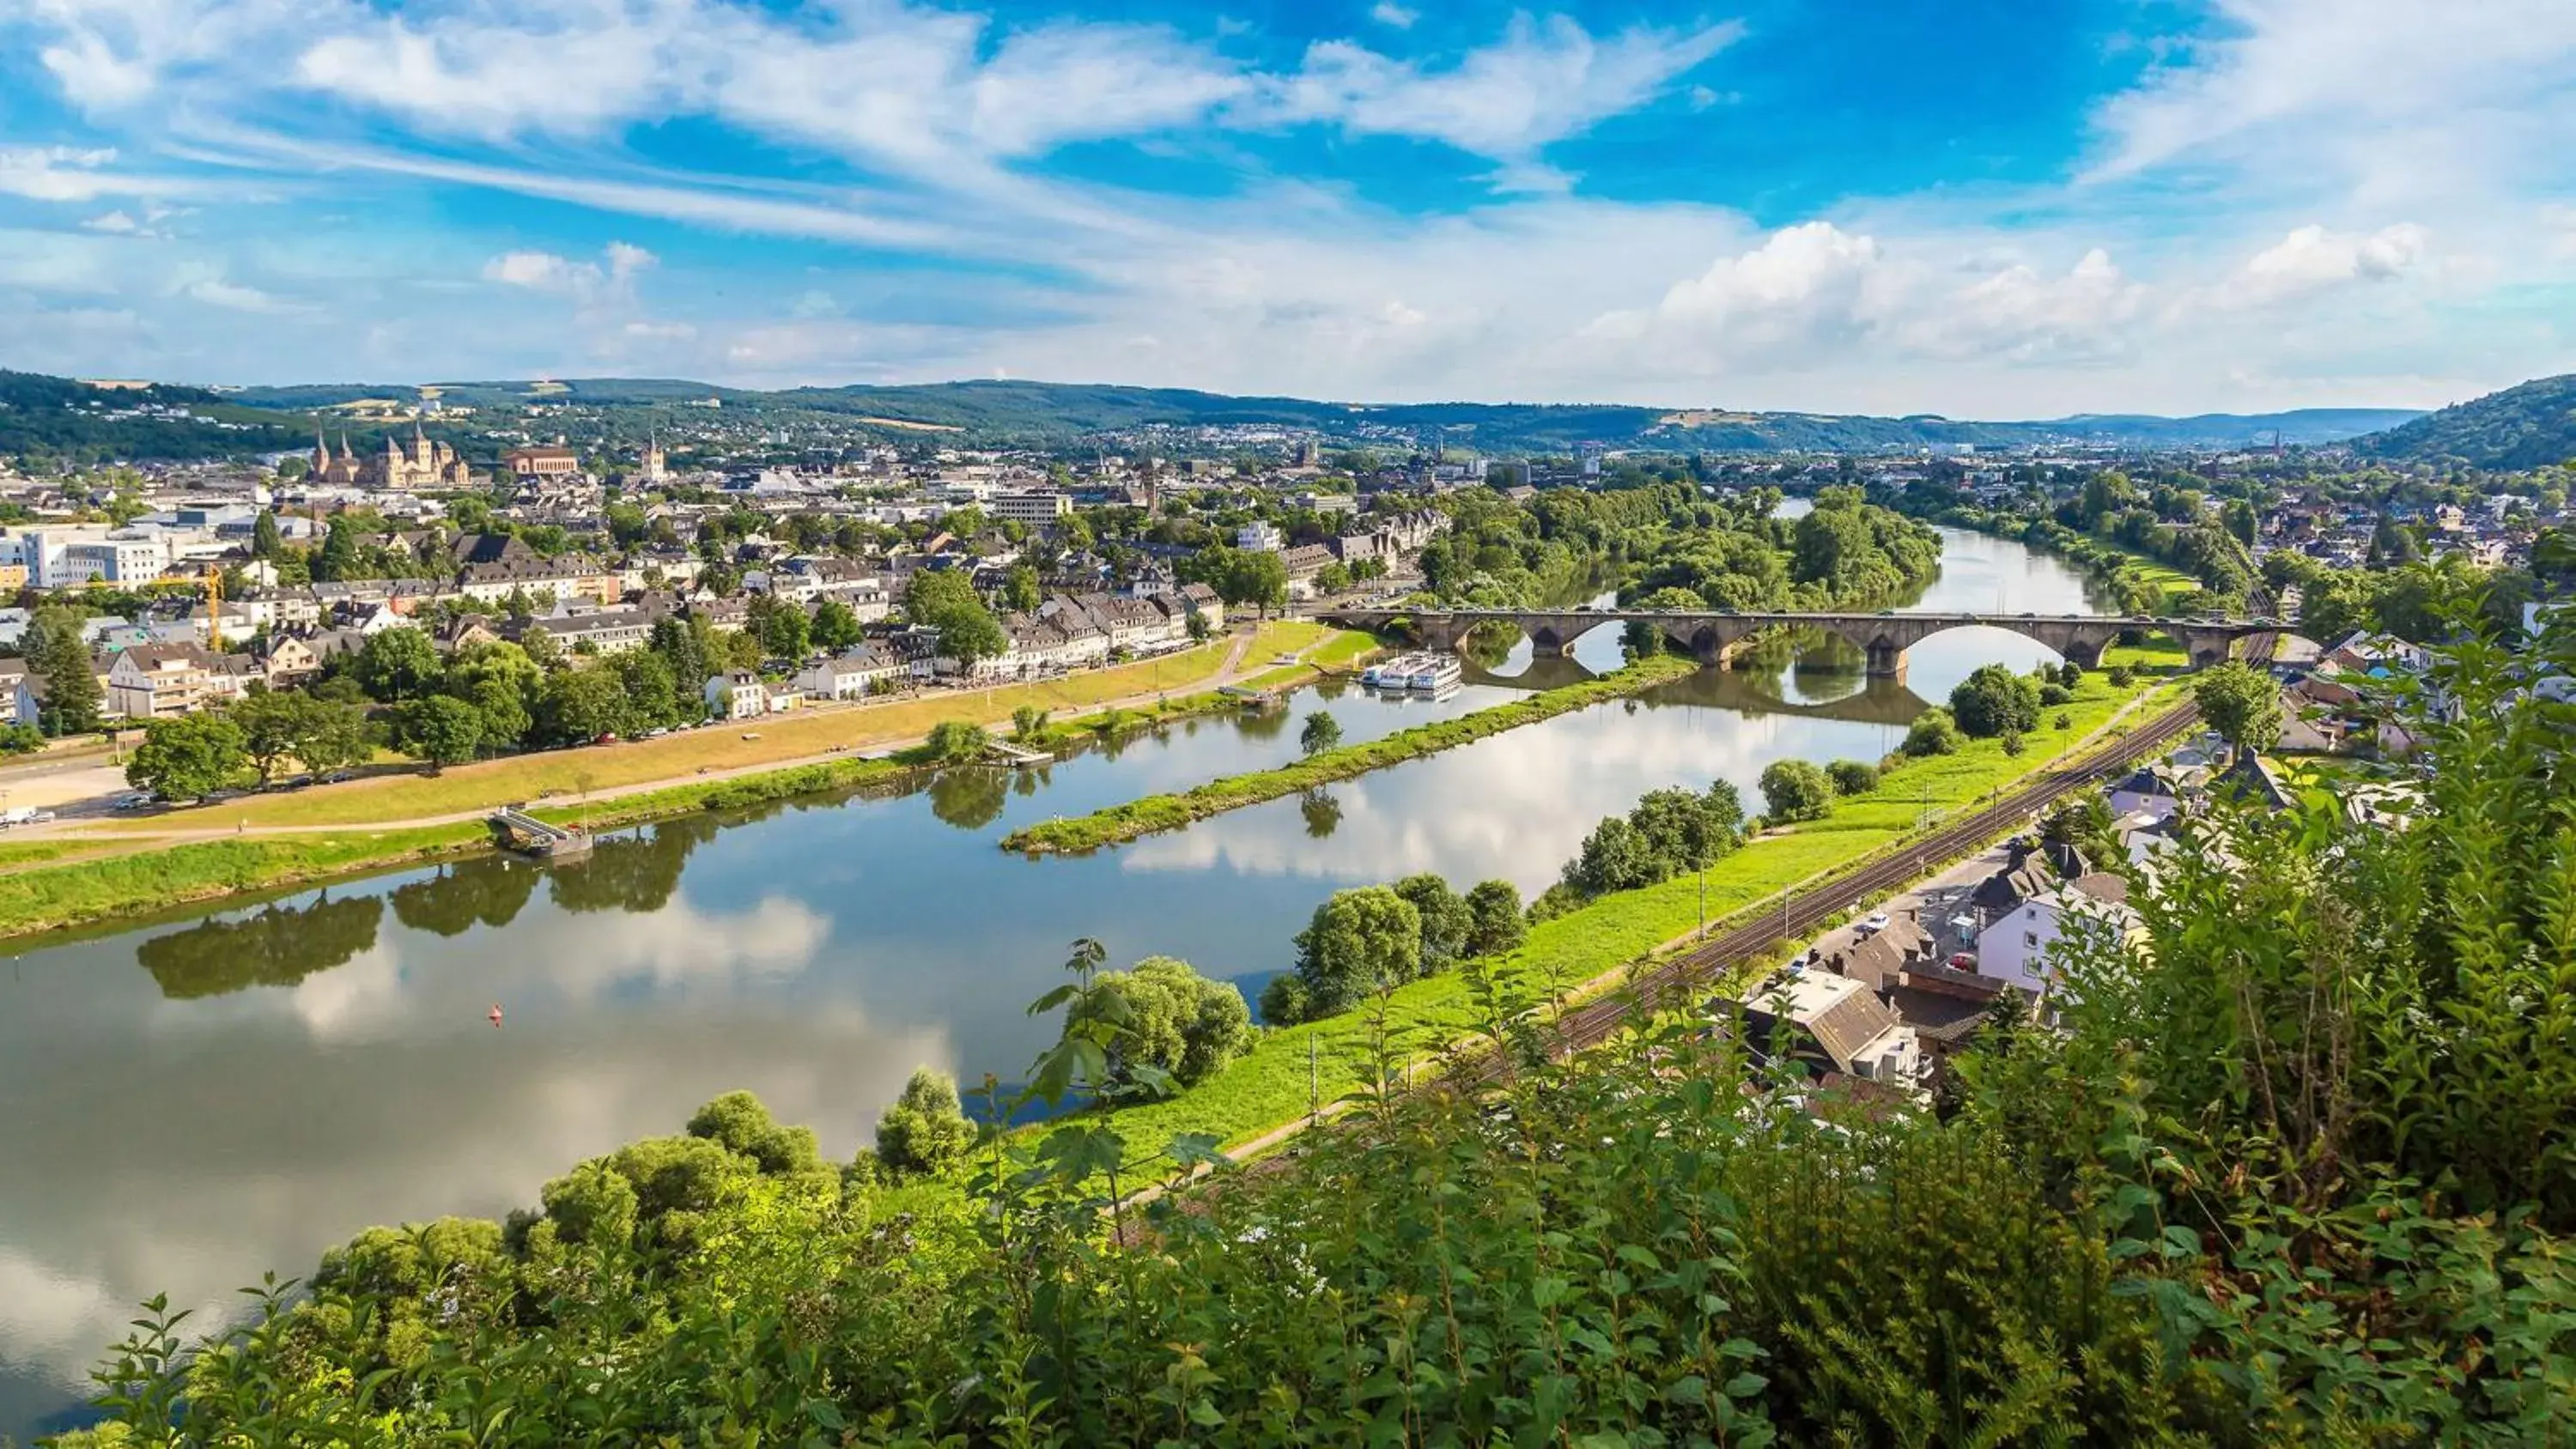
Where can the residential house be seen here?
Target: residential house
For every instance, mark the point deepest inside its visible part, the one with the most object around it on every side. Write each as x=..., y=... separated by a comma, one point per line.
x=2015, y=947
x=738, y=695
x=159, y=681
x=851, y=674
x=587, y=627
x=1833, y=1024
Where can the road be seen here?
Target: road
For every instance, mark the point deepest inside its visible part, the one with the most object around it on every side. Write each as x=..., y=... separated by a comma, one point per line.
x=105, y=782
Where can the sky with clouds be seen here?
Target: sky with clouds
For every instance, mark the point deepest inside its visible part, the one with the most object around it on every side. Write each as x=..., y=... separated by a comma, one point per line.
x=1988, y=208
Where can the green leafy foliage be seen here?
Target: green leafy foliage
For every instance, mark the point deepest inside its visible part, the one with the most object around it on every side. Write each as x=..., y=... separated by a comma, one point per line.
x=1993, y=701
x=925, y=1131
x=1934, y=732
x=2242, y=703
x=1171, y=1019
x=188, y=757
x=1794, y=790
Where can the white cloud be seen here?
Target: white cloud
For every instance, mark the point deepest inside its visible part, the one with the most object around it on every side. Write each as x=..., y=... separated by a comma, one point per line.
x=2312, y=256
x=1541, y=82
x=234, y=297
x=115, y=223
x=586, y=282
x=59, y=173
x=1806, y=290
x=1387, y=12
x=2394, y=99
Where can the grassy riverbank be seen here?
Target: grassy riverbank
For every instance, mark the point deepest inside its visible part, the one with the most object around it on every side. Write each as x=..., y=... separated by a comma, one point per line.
x=1152, y=813
x=773, y=740
x=81, y=880
x=1270, y=1087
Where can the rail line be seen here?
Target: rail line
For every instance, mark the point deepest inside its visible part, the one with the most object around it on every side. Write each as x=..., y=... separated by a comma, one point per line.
x=1596, y=1020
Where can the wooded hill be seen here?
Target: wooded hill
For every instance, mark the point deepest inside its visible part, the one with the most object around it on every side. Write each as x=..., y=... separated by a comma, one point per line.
x=2530, y=426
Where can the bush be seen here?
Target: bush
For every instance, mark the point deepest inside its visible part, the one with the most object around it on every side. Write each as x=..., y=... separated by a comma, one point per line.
x=2053, y=694
x=2013, y=743
x=1995, y=701
x=955, y=742
x=1174, y=1020
x=1494, y=908
x=925, y=1131
x=2119, y=675
x=2070, y=674
x=1794, y=790
x=1284, y=1001
x=1852, y=777
x=1446, y=921
x=1932, y=733
x=1359, y=941
x=2065, y=721
x=21, y=739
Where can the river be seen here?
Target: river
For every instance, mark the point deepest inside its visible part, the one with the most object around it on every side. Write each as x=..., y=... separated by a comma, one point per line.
x=186, y=1104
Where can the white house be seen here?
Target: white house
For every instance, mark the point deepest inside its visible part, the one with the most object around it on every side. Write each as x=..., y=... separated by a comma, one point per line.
x=2015, y=946
x=739, y=695
x=849, y=675
x=2148, y=791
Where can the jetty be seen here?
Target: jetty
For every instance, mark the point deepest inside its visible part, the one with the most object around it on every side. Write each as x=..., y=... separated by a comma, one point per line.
x=518, y=830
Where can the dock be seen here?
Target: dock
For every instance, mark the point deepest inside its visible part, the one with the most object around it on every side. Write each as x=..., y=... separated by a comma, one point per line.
x=518, y=830
x=1011, y=754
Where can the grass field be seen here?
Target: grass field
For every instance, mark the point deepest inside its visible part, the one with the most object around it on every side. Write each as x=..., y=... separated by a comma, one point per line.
x=1270, y=1087
x=76, y=880
x=97, y=889
x=1153, y=813
x=677, y=757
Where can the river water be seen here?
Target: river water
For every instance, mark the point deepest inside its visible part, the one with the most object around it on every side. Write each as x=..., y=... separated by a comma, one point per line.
x=186, y=1104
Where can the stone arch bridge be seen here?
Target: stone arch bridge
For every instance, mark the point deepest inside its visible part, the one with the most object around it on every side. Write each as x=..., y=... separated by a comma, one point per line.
x=1716, y=638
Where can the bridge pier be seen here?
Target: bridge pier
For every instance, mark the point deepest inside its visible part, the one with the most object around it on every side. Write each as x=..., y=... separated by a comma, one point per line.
x=1886, y=660
x=1544, y=644
x=2085, y=652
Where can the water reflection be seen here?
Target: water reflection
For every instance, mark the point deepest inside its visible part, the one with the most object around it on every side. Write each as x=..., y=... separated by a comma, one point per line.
x=970, y=797
x=187, y=1105
x=488, y=890
x=278, y=945
x=1322, y=811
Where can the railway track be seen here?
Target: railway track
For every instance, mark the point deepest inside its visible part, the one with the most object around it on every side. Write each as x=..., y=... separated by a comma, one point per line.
x=1595, y=1021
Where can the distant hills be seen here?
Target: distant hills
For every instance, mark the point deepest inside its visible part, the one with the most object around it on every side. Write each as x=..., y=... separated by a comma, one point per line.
x=1041, y=412
x=2531, y=426
x=55, y=415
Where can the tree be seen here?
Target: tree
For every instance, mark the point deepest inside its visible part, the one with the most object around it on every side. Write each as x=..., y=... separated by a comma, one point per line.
x=59, y=655
x=188, y=757
x=1616, y=856
x=1495, y=922
x=1994, y=701
x=440, y=729
x=1168, y=1017
x=1446, y=921
x=396, y=664
x=925, y=1130
x=781, y=627
x=1027, y=721
x=1333, y=579
x=1358, y=940
x=2241, y=703
x=946, y=601
x=1020, y=589
x=21, y=739
x=273, y=724
x=265, y=541
x=1796, y=790
x=1322, y=732
x=836, y=627
x=956, y=742
x=582, y=704
x=1853, y=777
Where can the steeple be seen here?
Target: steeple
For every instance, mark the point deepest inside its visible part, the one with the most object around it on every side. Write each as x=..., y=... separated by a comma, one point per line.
x=321, y=451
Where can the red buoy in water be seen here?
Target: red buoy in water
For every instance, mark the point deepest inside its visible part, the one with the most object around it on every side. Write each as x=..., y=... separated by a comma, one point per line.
x=495, y=1013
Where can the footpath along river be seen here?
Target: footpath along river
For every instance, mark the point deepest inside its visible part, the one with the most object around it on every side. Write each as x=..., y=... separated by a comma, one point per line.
x=185, y=1104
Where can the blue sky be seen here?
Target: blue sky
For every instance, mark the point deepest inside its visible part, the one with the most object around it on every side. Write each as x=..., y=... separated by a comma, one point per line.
x=1976, y=208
